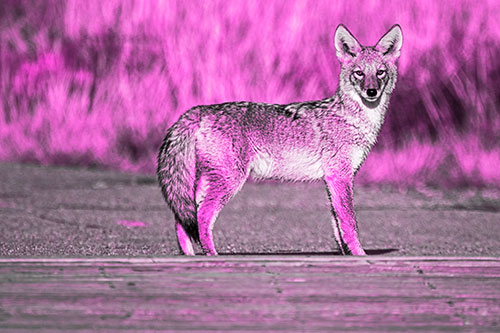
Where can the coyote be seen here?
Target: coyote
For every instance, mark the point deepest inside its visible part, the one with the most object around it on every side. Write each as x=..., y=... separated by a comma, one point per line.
x=208, y=154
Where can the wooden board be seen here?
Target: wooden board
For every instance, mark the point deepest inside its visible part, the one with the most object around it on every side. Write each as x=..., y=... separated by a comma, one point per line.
x=260, y=293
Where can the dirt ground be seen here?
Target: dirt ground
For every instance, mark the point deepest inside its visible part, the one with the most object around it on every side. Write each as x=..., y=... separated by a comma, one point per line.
x=68, y=212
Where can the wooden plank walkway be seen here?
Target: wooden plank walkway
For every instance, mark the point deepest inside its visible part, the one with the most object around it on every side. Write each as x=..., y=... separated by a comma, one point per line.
x=255, y=293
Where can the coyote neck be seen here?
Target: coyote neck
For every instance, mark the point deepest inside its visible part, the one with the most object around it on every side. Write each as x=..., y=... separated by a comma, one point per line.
x=367, y=118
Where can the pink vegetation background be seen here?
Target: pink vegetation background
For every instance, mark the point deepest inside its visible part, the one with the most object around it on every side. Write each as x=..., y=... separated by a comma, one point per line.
x=97, y=83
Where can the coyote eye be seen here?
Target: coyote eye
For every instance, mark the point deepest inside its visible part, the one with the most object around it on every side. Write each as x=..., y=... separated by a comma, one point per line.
x=359, y=74
x=380, y=73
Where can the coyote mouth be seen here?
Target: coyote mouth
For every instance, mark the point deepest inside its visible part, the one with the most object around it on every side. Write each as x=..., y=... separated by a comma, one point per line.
x=371, y=102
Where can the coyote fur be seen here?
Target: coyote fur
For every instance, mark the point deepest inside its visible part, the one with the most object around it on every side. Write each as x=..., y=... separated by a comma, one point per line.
x=209, y=153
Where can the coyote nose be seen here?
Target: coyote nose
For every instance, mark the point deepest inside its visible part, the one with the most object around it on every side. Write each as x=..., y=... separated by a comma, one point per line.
x=371, y=92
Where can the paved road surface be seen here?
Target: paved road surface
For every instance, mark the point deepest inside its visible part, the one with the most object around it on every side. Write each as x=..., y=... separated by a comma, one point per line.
x=69, y=212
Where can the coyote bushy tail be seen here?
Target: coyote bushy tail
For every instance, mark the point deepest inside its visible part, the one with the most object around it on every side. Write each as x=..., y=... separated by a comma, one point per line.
x=177, y=172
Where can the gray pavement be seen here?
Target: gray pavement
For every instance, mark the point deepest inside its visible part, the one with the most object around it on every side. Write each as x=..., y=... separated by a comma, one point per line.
x=69, y=212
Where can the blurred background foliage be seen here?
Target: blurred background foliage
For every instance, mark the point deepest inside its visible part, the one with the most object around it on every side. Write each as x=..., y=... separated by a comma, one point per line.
x=97, y=83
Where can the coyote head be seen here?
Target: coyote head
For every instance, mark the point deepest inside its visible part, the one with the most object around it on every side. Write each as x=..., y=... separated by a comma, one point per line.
x=368, y=71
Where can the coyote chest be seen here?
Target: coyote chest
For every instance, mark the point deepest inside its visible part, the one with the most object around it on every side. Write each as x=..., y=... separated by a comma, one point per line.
x=294, y=164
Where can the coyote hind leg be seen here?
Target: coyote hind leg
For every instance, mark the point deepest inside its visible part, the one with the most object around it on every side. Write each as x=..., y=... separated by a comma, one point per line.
x=183, y=239
x=212, y=195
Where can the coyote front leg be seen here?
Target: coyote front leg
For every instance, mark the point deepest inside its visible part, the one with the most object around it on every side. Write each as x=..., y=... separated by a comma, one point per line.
x=344, y=221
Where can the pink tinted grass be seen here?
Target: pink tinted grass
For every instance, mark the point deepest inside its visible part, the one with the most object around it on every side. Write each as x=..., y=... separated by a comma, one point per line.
x=98, y=83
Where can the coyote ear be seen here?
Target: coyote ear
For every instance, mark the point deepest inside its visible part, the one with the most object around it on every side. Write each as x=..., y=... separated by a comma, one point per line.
x=390, y=43
x=346, y=44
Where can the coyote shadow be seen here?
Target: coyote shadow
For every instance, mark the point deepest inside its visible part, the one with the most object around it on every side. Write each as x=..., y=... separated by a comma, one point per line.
x=296, y=253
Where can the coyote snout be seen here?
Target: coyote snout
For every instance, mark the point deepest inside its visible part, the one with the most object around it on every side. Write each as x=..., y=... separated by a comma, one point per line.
x=209, y=153
x=370, y=84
